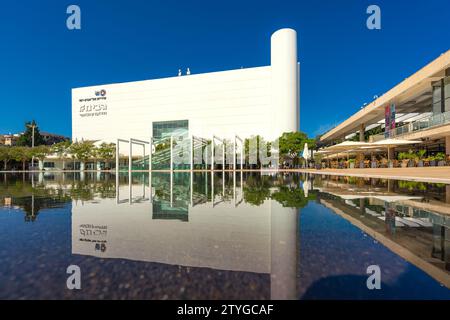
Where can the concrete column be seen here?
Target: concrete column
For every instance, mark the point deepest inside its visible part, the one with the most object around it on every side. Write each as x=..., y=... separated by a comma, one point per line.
x=285, y=81
x=362, y=129
x=447, y=145
x=391, y=153
x=447, y=193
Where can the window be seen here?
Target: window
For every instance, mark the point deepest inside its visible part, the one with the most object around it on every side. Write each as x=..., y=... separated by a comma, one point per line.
x=437, y=98
x=49, y=164
x=447, y=93
x=164, y=129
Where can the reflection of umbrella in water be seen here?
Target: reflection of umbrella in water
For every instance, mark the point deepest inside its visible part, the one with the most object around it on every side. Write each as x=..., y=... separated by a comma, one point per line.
x=306, y=186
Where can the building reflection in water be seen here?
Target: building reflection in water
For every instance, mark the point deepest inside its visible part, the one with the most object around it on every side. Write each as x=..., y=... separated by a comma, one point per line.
x=195, y=220
x=414, y=215
x=245, y=223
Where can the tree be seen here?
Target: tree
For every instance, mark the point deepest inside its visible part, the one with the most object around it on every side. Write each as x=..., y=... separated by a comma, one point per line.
x=106, y=151
x=291, y=144
x=61, y=149
x=26, y=139
x=41, y=152
x=255, y=141
x=5, y=156
x=21, y=154
x=83, y=151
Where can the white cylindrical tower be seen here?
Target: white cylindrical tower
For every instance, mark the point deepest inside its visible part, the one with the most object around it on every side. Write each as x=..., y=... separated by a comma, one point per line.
x=285, y=81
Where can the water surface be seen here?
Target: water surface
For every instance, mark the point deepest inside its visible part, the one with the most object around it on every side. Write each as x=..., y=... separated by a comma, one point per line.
x=222, y=236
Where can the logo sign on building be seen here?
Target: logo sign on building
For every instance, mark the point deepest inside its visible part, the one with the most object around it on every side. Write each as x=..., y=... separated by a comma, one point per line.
x=94, y=107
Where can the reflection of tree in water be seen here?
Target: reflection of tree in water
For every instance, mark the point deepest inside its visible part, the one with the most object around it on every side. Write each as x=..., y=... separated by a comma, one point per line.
x=257, y=189
x=292, y=197
x=286, y=190
x=88, y=190
x=32, y=197
x=33, y=205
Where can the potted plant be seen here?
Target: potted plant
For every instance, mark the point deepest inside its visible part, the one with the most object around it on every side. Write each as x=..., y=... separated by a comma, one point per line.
x=404, y=158
x=421, y=156
x=431, y=161
x=351, y=163
x=440, y=158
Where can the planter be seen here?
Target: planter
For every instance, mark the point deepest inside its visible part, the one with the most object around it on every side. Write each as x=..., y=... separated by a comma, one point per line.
x=404, y=163
x=433, y=163
x=420, y=163
x=441, y=163
x=352, y=165
x=411, y=163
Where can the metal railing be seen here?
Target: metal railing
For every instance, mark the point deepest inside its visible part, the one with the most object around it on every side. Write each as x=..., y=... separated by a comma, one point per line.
x=419, y=125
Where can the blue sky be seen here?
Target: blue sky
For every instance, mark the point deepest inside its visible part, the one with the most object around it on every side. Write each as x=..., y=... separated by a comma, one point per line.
x=343, y=64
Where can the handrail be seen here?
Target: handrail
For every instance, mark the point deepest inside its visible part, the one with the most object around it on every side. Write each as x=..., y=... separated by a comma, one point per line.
x=416, y=126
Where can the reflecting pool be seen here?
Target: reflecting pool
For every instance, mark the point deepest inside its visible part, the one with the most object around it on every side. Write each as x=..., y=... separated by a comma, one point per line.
x=222, y=236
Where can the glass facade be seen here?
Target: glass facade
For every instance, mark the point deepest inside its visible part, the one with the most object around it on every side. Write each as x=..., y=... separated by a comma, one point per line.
x=441, y=96
x=437, y=94
x=447, y=93
x=164, y=129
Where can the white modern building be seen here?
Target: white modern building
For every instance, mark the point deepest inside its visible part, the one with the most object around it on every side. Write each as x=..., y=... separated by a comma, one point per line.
x=251, y=101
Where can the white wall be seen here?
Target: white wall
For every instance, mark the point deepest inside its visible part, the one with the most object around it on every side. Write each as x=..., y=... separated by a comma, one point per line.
x=262, y=100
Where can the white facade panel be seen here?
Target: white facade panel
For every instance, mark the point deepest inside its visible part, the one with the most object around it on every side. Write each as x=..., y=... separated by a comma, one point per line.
x=262, y=100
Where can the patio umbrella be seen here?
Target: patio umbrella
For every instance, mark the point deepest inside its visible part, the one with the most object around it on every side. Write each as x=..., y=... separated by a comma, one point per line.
x=347, y=145
x=305, y=153
x=389, y=143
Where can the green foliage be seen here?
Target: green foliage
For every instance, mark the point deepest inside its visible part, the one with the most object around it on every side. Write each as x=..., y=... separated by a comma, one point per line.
x=440, y=156
x=291, y=144
x=412, y=185
x=5, y=156
x=292, y=197
x=368, y=133
x=410, y=155
x=40, y=152
x=106, y=151
x=255, y=141
x=21, y=153
x=421, y=153
x=26, y=139
x=83, y=150
x=257, y=189
x=61, y=149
